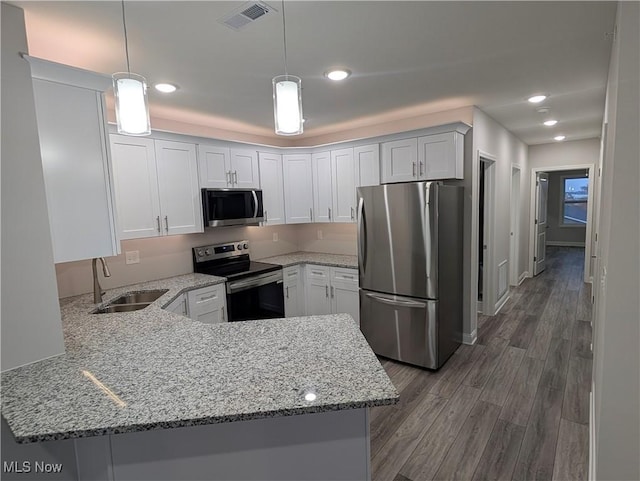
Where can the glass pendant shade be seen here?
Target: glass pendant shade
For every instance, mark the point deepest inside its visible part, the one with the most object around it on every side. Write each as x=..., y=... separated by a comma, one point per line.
x=287, y=104
x=132, y=108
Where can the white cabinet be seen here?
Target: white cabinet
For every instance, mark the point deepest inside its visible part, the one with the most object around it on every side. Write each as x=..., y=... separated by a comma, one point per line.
x=179, y=306
x=440, y=156
x=76, y=164
x=400, y=161
x=294, y=302
x=298, y=191
x=431, y=157
x=332, y=290
x=322, y=194
x=343, y=185
x=156, y=187
x=208, y=304
x=271, y=180
x=367, y=160
x=221, y=167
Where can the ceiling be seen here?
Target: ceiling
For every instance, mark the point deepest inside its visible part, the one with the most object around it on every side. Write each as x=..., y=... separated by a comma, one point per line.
x=423, y=56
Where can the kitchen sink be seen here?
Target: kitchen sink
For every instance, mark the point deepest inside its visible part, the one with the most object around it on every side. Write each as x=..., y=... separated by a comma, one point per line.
x=139, y=297
x=133, y=301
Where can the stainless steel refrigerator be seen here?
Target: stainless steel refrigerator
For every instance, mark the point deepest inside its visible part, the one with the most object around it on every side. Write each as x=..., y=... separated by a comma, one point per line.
x=410, y=265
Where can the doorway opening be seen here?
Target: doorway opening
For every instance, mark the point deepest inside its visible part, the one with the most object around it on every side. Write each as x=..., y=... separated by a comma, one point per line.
x=514, y=231
x=486, y=297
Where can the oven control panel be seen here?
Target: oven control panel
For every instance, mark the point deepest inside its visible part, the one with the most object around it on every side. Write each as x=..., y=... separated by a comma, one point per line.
x=221, y=251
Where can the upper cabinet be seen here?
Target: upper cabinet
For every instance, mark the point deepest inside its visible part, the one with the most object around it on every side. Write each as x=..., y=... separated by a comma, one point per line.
x=156, y=187
x=298, y=191
x=71, y=116
x=322, y=193
x=272, y=182
x=367, y=161
x=430, y=157
x=221, y=167
x=343, y=185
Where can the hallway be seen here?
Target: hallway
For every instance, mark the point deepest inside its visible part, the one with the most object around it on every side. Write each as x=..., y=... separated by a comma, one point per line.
x=513, y=406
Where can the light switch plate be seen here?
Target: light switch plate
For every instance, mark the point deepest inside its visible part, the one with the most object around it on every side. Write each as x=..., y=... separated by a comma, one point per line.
x=275, y=237
x=132, y=257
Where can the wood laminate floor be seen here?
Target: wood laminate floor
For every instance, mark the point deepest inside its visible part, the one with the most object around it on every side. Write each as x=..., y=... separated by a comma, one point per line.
x=515, y=406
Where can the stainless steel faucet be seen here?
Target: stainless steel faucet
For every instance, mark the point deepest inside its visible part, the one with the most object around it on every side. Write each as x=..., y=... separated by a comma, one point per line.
x=97, y=290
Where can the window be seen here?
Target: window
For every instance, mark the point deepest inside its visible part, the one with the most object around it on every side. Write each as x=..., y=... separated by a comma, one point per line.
x=575, y=192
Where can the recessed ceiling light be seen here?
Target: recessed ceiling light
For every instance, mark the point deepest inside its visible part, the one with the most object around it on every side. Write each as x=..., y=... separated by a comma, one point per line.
x=559, y=138
x=337, y=74
x=550, y=123
x=165, y=88
x=536, y=99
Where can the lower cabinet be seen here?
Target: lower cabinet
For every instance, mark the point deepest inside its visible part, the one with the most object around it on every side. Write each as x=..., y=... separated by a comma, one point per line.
x=331, y=290
x=207, y=304
x=294, y=305
x=179, y=306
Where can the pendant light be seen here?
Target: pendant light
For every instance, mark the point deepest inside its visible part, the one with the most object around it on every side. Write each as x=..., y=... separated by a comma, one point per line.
x=130, y=89
x=287, y=96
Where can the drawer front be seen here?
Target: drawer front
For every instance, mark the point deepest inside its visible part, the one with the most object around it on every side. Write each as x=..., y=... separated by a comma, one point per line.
x=290, y=275
x=206, y=295
x=320, y=273
x=344, y=275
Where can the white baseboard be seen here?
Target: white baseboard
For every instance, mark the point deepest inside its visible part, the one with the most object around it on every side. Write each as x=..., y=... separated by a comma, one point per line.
x=523, y=276
x=500, y=304
x=470, y=338
x=565, y=244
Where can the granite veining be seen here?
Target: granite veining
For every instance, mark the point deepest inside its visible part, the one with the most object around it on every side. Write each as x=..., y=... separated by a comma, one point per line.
x=152, y=369
x=318, y=258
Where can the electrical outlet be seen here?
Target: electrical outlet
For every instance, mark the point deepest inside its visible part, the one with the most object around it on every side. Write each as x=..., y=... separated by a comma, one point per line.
x=132, y=257
x=275, y=237
x=319, y=234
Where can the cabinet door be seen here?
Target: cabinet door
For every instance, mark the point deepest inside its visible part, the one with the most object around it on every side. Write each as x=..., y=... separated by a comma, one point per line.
x=244, y=169
x=322, y=193
x=136, y=186
x=298, y=188
x=343, y=185
x=440, y=156
x=178, y=306
x=76, y=169
x=367, y=159
x=344, y=293
x=180, y=202
x=317, y=290
x=293, y=292
x=214, y=167
x=400, y=161
x=208, y=304
x=272, y=184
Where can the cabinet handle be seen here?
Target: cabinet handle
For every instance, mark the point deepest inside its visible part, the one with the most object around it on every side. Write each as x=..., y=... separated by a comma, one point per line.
x=287, y=289
x=266, y=217
x=310, y=213
x=332, y=296
x=353, y=214
x=158, y=221
x=207, y=298
x=414, y=170
x=329, y=209
x=326, y=291
x=228, y=177
x=235, y=177
x=166, y=223
x=421, y=166
x=222, y=314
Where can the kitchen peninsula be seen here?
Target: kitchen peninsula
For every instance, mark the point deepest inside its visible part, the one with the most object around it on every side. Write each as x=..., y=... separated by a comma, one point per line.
x=153, y=395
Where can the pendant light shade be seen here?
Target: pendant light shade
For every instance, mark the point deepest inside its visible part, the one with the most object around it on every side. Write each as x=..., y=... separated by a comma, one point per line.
x=132, y=108
x=287, y=104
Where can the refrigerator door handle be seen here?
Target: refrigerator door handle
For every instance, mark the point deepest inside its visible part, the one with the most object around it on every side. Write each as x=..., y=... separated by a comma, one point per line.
x=395, y=302
x=362, y=233
x=427, y=220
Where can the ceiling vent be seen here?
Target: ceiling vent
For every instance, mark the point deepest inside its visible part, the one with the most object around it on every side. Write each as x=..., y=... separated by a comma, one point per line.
x=246, y=14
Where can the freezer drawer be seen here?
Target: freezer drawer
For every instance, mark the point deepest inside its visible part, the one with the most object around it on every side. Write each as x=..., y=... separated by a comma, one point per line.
x=400, y=328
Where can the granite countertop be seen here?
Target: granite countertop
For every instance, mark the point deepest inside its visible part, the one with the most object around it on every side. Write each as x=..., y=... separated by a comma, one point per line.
x=152, y=369
x=318, y=258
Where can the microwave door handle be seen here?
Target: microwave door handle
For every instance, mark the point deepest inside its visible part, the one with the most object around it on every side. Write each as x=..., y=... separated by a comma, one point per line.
x=255, y=203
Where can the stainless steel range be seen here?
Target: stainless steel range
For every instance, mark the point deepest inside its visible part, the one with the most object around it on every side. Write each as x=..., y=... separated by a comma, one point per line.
x=254, y=289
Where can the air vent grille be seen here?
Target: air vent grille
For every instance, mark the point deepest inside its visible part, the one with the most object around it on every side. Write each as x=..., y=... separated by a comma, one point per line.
x=246, y=14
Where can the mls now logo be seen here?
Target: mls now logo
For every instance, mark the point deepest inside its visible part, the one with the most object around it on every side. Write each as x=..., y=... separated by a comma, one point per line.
x=27, y=467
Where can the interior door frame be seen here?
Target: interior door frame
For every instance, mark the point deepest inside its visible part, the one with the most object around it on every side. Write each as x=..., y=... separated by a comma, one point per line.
x=489, y=271
x=590, y=168
x=514, y=241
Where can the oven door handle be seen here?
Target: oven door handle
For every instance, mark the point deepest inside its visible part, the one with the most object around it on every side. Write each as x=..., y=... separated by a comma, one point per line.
x=257, y=281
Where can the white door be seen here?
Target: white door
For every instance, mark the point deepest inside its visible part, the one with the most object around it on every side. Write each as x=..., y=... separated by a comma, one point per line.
x=136, y=186
x=215, y=167
x=317, y=290
x=437, y=156
x=298, y=190
x=542, y=188
x=208, y=304
x=293, y=292
x=400, y=161
x=244, y=169
x=367, y=159
x=344, y=292
x=272, y=184
x=180, y=203
x=514, y=233
x=322, y=193
x=343, y=185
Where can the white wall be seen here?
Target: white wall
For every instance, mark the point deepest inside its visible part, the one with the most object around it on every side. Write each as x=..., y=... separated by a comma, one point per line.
x=31, y=327
x=616, y=362
x=493, y=139
x=577, y=152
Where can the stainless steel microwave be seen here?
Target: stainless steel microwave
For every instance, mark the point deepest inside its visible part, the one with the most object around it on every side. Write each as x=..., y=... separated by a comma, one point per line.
x=223, y=207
